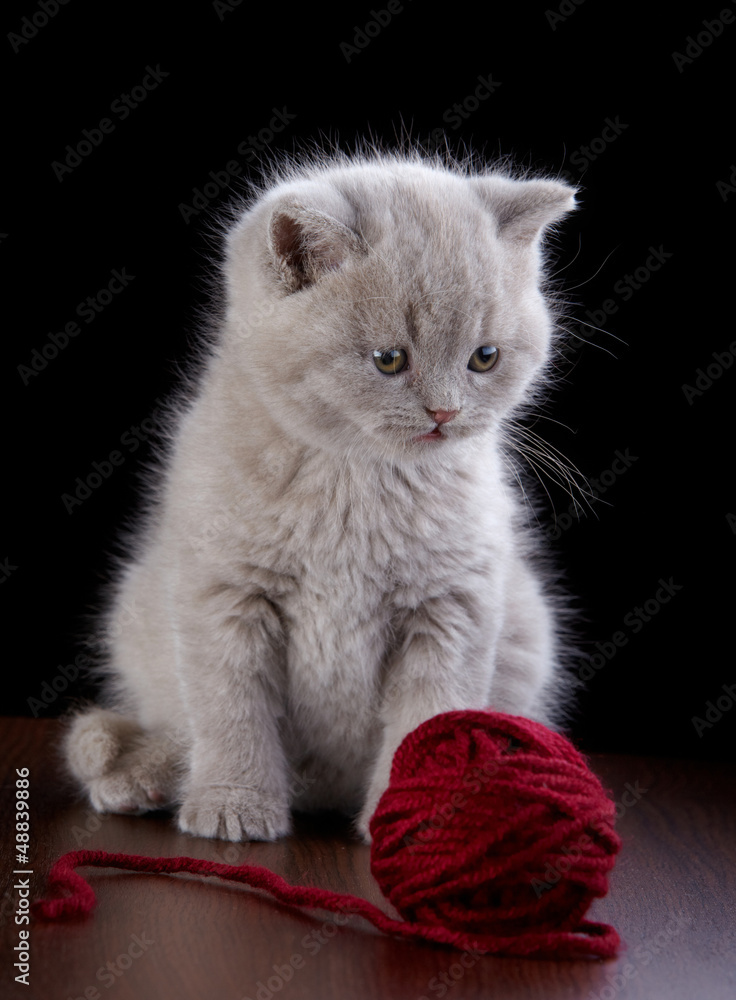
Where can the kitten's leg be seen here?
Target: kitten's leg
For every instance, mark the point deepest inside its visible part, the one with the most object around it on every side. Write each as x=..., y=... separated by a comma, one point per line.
x=527, y=680
x=438, y=669
x=122, y=768
x=237, y=785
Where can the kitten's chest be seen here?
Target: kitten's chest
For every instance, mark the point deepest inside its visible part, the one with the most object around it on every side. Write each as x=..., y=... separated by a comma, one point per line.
x=358, y=551
x=350, y=529
x=346, y=572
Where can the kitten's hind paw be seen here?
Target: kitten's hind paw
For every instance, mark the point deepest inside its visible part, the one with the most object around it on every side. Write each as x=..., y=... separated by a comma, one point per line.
x=232, y=812
x=94, y=741
x=121, y=793
x=143, y=780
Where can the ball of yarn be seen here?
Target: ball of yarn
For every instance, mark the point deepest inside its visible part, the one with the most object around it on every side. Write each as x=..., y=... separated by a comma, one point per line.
x=494, y=830
x=493, y=836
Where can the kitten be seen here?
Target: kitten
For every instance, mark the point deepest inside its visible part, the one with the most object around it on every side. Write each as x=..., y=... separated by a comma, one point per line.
x=336, y=551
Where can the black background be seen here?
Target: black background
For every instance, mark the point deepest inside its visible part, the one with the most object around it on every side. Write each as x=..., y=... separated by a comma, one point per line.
x=651, y=184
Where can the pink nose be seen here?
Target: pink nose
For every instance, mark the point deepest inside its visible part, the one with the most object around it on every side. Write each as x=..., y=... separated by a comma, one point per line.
x=442, y=416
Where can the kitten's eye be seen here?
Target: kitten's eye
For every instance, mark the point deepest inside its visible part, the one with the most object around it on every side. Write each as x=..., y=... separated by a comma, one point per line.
x=390, y=362
x=483, y=359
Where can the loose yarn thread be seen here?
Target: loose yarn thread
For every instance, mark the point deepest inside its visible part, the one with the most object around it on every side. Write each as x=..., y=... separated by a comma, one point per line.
x=493, y=836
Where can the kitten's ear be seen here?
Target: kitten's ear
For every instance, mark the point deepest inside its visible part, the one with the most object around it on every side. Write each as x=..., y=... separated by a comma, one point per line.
x=524, y=209
x=305, y=243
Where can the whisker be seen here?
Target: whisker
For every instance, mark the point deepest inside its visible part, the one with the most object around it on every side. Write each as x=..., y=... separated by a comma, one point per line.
x=545, y=460
x=528, y=505
x=592, y=343
x=575, y=287
x=533, y=467
x=546, y=446
x=543, y=416
x=570, y=263
x=607, y=332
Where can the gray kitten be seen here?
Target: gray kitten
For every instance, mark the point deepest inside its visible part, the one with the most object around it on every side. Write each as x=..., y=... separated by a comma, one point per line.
x=337, y=549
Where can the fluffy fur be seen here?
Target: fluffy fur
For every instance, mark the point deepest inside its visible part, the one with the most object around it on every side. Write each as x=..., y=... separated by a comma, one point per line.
x=336, y=554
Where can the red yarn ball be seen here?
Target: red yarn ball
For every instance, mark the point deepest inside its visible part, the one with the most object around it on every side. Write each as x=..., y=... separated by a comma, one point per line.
x=493, y=836
x=494, y=830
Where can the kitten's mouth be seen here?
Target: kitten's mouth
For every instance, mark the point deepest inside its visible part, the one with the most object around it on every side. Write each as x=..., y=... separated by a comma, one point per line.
x=434, y=435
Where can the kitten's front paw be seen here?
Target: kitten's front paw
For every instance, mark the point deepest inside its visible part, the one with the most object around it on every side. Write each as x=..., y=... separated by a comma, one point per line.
x=229, y=812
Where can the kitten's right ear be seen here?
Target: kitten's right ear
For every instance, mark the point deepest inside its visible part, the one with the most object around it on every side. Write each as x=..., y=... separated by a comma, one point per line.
x=304, y=244
x=524, y=209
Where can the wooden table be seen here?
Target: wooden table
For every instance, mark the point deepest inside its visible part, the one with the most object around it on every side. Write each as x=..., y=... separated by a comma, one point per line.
x=672, y=898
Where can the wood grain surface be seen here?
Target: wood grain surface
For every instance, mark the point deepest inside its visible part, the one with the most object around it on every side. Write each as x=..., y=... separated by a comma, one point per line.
x=672, y=899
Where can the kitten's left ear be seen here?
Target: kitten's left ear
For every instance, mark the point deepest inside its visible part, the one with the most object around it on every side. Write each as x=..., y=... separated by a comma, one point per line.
x=524, y=209
x=306, y=243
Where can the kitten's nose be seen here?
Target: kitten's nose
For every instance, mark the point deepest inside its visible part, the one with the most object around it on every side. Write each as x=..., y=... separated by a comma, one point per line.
x=442, y=416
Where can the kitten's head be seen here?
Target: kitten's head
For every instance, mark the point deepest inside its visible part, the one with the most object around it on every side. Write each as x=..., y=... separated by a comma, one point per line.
x=391, y=306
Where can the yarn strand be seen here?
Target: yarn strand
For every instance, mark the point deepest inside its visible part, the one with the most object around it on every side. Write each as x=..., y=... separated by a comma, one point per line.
x=593, y=939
